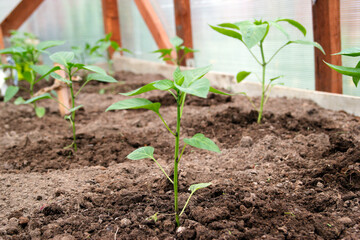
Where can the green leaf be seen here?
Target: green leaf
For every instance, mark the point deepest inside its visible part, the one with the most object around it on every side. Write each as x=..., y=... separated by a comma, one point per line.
x=62, y=58
x=275, y=78
x=44, y=70
x=48, y=44
x=278, y=26
x=142, y=153
x=228, y=32
x=176, y=41
x=135, y=103
x=193, y=188
x=13, y=50
x=75, y=108
x=294, y=23
x=42, y=96
x=10, y=93
x=356, y=79
x=304, y=42
x=194, y=74
x=241, y=76
x=40, y=112
x=213, y=90
x=157, y=85
x=229, y=25
x=254, y=34
x=202, y=142
x=28, y=76
x=349, y=71
x=58, y=77
x=178, y=76
x=198, y=88
x=19, y=101
x=100, y=77
x=351, y=52
x=95, y=69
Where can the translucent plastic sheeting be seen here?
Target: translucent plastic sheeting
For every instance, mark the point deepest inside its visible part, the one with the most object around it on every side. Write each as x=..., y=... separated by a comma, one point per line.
x=81, y=21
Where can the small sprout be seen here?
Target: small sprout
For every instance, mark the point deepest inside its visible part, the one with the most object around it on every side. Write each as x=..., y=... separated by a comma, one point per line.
x=153, y=217
x=289, y=213
x=329, y=225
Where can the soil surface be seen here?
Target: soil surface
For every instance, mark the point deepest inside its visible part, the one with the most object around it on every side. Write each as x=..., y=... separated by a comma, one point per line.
x=295, y=176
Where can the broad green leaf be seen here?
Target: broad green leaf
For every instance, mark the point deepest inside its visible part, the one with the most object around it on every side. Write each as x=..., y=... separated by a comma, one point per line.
x=193, y=188
x=19, y=101
x=58, y=77
x=44, y=70
x=253, y=34
x=356, y=79
x=29, y=76
x=304, y=42
x=75, y=108
x=12, y=50
x=213, y=90
x=40, y=112
x=198, y=88
x=351, y=52
x=294, y=23
x=227, y=32
x=157, y=85
x=202, y=142
x=100, y=77
x=349, y=71
x=281, y=28
x=48, y=44
x=176, y=41
x=135, y=103
x=62, y=58
x=114, y=45
x=194, y=74
x=141, y=153
x=178, y=76
x=10, y=93
x=95, y=69
x=42, y=96
x=242, y=75
x=229, y=25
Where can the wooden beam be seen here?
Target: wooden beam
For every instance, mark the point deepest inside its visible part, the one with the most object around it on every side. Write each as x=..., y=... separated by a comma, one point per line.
x=326, y=26
x=19, y=15
x=111, y=21
x=2, y=46
x=183, y=26
x=154, y=24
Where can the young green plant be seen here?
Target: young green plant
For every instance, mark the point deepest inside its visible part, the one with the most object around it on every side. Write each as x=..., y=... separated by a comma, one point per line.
x=353, y=72
x=26, y=50
x=187, y=82
x=253, y=34
x=70, y=69
x=166, y=53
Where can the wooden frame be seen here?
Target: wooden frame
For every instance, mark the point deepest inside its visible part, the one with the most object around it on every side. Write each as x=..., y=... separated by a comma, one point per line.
x=111, y=21
x=326, y=25
x=183, y=26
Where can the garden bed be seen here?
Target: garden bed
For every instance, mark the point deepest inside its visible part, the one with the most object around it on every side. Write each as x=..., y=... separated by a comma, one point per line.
x=295, y=176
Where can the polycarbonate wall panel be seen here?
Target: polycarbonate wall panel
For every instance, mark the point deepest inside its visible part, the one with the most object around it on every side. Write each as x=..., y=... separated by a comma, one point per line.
x=350, y=37
x=80, y=21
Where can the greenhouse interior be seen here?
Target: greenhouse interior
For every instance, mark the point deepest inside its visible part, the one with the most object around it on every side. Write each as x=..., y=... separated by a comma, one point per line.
x=179, y=119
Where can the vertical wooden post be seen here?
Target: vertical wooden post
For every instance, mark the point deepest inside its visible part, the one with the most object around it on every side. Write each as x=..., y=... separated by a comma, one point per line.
x=326, y=26
x=2, y=46
x=111, y=21
x=183, y=26
x=63, y=93
x=18, y=16
x=154, y=24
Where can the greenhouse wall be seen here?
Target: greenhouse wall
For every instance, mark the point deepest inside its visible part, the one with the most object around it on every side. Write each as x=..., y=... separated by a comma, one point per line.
x=81, y=21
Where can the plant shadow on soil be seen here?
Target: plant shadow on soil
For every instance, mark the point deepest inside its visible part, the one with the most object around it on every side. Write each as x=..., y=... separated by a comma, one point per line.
x=295, y=176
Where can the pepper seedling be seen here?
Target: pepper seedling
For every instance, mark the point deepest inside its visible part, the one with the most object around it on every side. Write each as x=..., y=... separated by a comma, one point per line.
x=349, y=71
x=253, y=34
x=184, y=82
x=167, y=53
x=26, y=50
x=70, y=69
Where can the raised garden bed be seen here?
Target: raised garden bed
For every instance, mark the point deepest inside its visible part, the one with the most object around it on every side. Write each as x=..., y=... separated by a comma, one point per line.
x=295, y=176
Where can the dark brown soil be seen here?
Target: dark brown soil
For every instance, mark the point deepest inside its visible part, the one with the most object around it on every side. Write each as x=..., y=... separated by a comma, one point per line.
x=295, y=176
